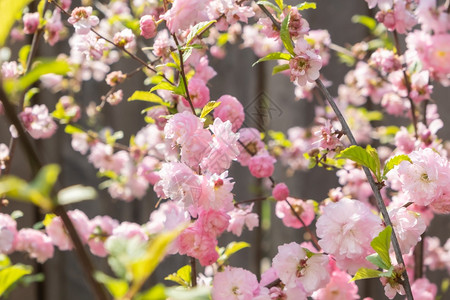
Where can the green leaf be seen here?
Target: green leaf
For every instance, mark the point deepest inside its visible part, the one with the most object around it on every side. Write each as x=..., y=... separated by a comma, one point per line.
x=269, y=4
x=23, y=55
x=182, y=276
x=363, y=157
x=280, y=68
x=116, y=287
x=374, y=154
x=285, y=36
x=155, y=293
x=9, y=275
x=187, y=53
x=365, y=273
x=45, y=179
x=198, y=293
x=381, y=245
x=29, y=94
x=16, y=214
x=367, y=21
x=4, y=261
x=234, y=247
x=198, y=28
x=163, y=85
x=60, y=67
x=208, y=108
x=306, y=5
x=11, y=11
x=274, y=56
x=149, y=97
x=280, y=4
x=76, y=193
x=394, y=161
x=377, y=261
x=70, y=129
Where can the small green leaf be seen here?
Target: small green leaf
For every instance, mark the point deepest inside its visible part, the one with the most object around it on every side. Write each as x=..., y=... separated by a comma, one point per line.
x=234, y=247
x=158, y=292
x=197, y=29
x=306, y=5
x=285, y=36
x=149, y=97
x=4, y=261
x=269, y=4
x=23, y=55
x=367, y=21
x=163, y=85
x=374, y=154
x=394, y=161
x=280, y=4
x=280, y=68
x=274, y=56
x=381, y=245
x=365, y=157
x=116, y=287
x=46, y=178
x=365, y=273
x=208, y=108
x=187, y=51
x=16, y=214
x=76, y=193
x=11, y=11
x=9, y=275
x=182, y=276
x=70, y=129
x=29, y=94
x=377, y=261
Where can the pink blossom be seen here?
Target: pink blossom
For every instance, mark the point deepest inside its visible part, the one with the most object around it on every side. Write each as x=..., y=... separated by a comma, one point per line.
x=38, y=122
x=203, y=71
x=163, y=44
x=385, y=60
x=193, y=241
x=261, y=44
x=213, y=222
x=293, y=266
x=423, y=289
x=224, y=148
x=82, y=19
x=114, y=78
x=399, y=18
x=10, y=70
x=394, y=104
x=328, y=137
x=148, y=26
x=230, y=109
x=305, y=65
x=298, y=26
x=251, y=139
x=102, y=228
x=53, y=27
x=4, y=156
x=236, y=284
x=216, y=192
x=30, y=22
x=424, y=179
x=262, y=165
x=182, y=126
x=185, y=13
x=441, y=205
x=303, y=209
x=115, y=98
x=58, y=233
x=37, y=244
x=8, y=233
x=339, y=288
x=280, y=192
x=404, y=141
x=125, y=39
x=158, y=113
x=420, y=87
x=408, y=226
x=197, y=148
x=346, y=229
x=199, y=93
x=432, y=17
x=240, y=217
x=128, y=230
x=268, y=29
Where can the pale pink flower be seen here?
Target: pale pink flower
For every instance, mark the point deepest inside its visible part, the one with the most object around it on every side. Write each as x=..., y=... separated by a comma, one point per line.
x=224, y=148
x=423, y=289
x=261, y=44
x=30, y=22
x=38, y=122
x=424, y=179
x=193, y=241
x=125, y=39
x=293, y=266
x=230, y=109
x=262, y=165
x=35, y=243
x=242, y=216
x=328, y=137
x=432, y=17
x=197, y=148
x=199, y=93
x=8, y=233
x=251, y=139
x=148, y=26
x=235, y=284
x=441, y=205
x=268, y=29
x=4, y=156
x=394, y=104
x=163, y=44
x=203, y=70
x=420, y=87
x=58, y=233
x=10, y=70
x=408, y=226
x=102, y=227
x=305, y=65
x=80, y=142
x=82, y=19
x=182, y=126
x=53, y=27
x=385, y=60
x=303, y=209
x=404, y=141
x=213, y=222
x=339, y=288
x=114, y=78
x=399, y=18
x=346, y=229
x=185, y=13
x=158, y=113
x=298, y=26
x=216, y=192
x=115, y=98
x=129, y=230
x=280, y=192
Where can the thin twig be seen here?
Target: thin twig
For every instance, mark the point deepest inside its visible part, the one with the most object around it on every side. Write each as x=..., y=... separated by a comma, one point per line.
x=193, y=271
